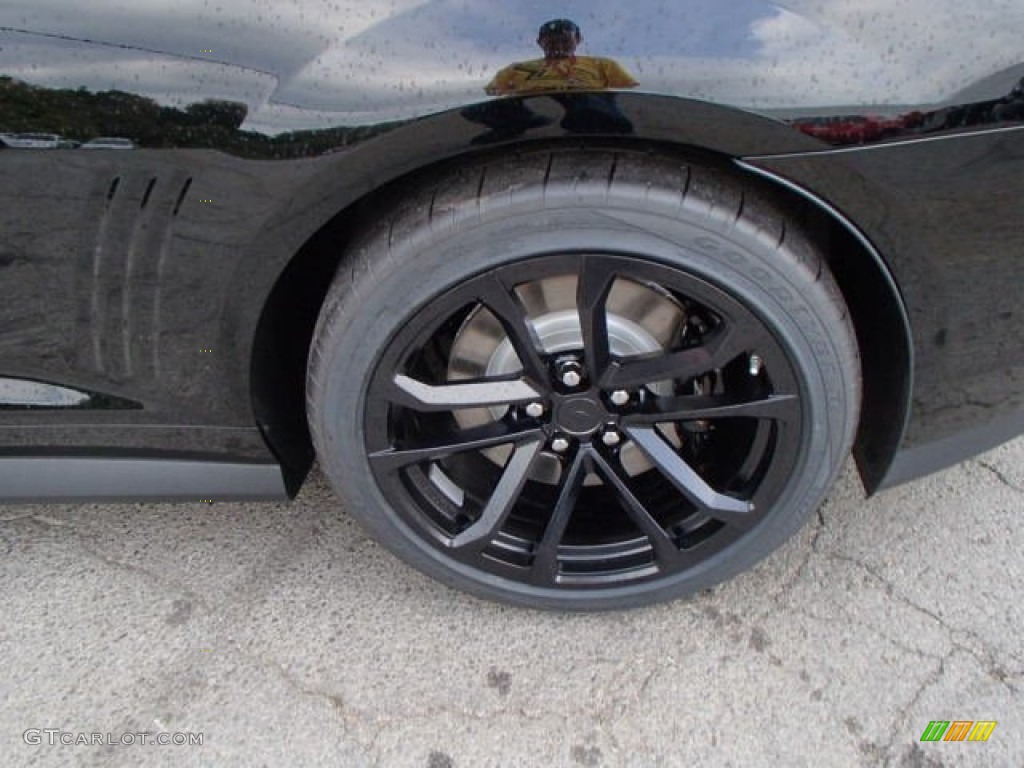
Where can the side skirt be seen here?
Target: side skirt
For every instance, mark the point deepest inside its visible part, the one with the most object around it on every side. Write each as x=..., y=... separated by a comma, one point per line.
x=78, y=479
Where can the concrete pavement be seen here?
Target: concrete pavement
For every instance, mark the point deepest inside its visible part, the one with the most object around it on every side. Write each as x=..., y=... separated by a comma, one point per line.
x=286, y=638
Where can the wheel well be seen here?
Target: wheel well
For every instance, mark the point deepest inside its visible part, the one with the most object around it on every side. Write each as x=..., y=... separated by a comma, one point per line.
x=282, y=341
x=879, y=320
x=288, y=319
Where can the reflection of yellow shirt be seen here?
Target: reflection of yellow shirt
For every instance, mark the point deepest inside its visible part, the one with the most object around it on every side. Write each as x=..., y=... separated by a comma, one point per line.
x=577, y=72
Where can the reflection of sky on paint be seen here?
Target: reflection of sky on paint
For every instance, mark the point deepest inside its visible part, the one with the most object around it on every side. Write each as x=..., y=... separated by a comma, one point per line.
x=610, y=27
x=447, y=49
x=169, y=79
x=313, y=63
x=279, y=36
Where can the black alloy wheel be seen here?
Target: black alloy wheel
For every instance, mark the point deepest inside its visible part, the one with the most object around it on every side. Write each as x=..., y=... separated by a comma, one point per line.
x=583, y=379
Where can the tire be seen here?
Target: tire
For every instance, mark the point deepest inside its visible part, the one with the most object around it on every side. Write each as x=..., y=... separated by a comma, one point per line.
x=583, y=379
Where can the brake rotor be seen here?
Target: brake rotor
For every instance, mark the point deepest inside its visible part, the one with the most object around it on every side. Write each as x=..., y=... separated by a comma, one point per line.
x=640, y=319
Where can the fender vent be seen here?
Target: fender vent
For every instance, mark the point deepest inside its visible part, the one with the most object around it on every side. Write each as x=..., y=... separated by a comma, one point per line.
x=118, y=278
x=181, y=196
x=148, y=192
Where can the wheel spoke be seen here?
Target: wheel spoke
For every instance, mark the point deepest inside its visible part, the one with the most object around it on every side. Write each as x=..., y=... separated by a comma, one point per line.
x=771, y=407
x=716, y=352
x=719, y=506
x=475, y=439
x=666, y=551
x=594, y=283
x=446, y=397
x=545, y=559
x=502, y=500
x=506, y=307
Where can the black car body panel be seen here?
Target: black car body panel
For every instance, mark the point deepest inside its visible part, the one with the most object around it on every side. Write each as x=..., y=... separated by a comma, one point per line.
x=156, y=304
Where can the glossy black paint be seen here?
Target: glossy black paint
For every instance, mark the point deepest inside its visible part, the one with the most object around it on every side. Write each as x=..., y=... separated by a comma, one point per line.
x=185, y=276
x=945, y=214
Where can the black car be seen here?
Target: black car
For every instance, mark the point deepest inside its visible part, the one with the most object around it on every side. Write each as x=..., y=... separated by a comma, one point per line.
x=579, y=308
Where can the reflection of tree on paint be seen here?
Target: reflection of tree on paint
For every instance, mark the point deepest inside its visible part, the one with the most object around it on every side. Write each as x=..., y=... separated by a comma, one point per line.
x=560, y=69
x=75, y=116
x=1011, y=106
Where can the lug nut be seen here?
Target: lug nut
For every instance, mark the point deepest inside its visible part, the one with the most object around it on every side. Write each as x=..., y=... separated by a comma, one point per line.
x=619, y=397
x=535, y=410
x=611, y=437
x=571, y=379
x=559, y=445
x=570, y=373
x=756, y=364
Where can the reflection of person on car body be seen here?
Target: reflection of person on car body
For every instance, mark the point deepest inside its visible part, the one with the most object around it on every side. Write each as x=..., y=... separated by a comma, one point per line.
x=560, y=69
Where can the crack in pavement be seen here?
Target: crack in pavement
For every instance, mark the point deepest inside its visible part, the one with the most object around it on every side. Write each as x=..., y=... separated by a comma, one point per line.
x=375, y=719
x=900, y=725
x=885, y=750
x=999, y=475
x=352, y=721
x=336, y=702
x=617, y=707
x=169, y=585
x=39, y=518
x=876, y=632
x=375, y=726
x=987, y=658
x=790, y=582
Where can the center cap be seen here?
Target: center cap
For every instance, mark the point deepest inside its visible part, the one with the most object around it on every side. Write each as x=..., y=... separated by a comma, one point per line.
x=580, y=416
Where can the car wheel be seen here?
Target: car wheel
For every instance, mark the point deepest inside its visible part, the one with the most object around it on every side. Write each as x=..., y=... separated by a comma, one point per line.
x=583, y=379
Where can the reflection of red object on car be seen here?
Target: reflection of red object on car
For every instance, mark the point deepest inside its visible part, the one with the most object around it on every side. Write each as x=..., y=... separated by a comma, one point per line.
x=855, y=129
